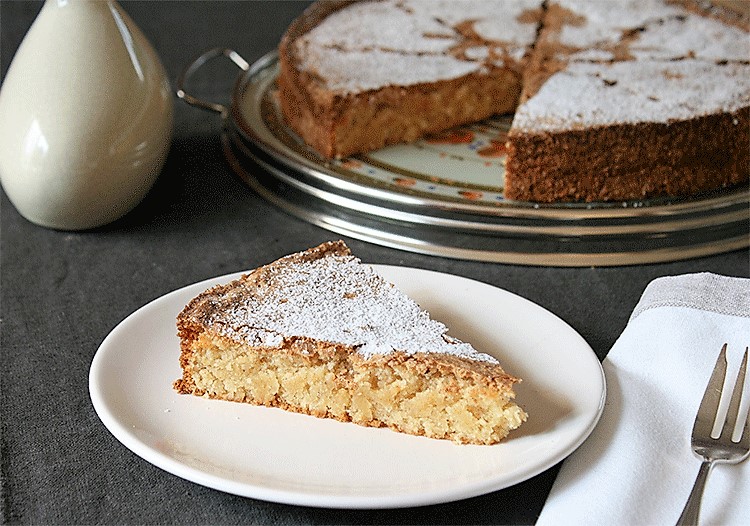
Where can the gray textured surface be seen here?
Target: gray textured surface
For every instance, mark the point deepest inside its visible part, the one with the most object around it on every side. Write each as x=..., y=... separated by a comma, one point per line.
x=63, y=292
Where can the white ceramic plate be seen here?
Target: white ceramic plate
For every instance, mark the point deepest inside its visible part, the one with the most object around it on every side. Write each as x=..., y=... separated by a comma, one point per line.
x=284, y=457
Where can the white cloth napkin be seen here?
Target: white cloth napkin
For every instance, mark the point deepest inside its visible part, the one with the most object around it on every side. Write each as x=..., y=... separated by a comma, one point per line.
x=637, y=467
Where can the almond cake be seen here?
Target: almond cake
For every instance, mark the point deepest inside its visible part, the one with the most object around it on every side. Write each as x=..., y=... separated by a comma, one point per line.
x=320, y=333
x=621, y=100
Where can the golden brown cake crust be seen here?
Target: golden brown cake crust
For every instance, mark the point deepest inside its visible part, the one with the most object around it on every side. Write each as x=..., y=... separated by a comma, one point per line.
x=339, y=126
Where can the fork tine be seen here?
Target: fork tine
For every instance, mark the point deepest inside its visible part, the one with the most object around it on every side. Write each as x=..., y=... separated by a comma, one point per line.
x=704, y=422
x=734, y=403
x=745, y=436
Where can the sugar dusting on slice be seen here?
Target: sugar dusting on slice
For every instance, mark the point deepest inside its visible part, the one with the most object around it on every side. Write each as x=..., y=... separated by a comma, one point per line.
x=335, y=299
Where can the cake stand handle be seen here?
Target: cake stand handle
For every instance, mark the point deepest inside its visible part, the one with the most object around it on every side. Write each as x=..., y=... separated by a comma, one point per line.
x=195, y=65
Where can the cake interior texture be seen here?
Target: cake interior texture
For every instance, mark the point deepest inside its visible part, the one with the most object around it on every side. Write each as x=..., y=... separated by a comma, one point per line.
x=323, y=380
x=426, y=383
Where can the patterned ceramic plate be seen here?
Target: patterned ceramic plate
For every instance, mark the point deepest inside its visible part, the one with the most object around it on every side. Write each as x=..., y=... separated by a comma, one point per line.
x=466, y=163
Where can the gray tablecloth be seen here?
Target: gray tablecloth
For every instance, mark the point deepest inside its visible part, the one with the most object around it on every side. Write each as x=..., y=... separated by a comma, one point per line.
x=62, y=292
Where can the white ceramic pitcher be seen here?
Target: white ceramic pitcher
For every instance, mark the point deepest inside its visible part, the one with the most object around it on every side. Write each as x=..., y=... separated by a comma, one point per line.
x=85, y=116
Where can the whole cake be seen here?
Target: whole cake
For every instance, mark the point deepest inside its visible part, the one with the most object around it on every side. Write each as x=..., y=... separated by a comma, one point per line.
x=612, y=100
x=320, y=333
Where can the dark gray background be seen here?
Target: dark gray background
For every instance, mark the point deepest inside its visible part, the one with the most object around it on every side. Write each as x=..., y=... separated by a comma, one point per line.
x=62, y=292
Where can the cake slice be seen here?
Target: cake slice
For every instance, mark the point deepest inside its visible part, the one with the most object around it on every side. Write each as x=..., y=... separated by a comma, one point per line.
x=320, y=333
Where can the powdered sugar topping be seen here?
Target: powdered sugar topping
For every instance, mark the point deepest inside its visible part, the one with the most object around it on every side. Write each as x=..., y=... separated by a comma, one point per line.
x=356, y=71
x=646, y=29
x=602, y=22
x=360, y=26
x=370, y=45
x=692, y=36
x=634, y=92
x=335, y=299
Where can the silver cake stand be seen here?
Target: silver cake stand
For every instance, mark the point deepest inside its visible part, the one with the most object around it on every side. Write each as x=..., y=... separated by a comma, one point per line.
x=438, y=199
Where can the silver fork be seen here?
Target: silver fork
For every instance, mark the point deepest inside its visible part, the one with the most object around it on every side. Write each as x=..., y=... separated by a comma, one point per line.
x=721, y=449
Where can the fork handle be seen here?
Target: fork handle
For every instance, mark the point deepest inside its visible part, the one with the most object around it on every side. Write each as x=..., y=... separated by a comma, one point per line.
x=693, y=506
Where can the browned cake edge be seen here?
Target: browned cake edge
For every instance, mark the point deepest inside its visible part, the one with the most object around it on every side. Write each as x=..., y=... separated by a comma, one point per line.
x=339, y=126
x=630, y=161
